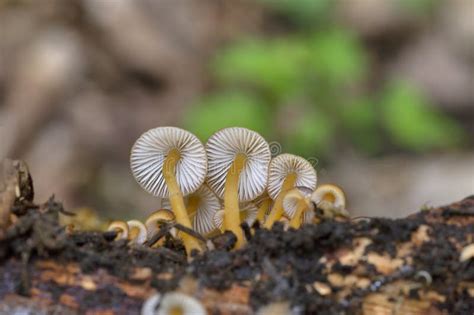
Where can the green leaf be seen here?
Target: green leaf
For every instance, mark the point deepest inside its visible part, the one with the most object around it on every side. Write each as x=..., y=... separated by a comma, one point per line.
x=275, y=67
x=312, y=135
x=228, y=110
x=337, y=57
x=420, y=7
x=415, y=125
x=359, y=119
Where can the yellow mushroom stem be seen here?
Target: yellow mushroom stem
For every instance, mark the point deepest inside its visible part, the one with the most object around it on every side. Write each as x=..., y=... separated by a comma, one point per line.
x=301, y=207
x=176, y=200
x=193, y=203
x=231, y=199
x=262, y=210
x=277, y=209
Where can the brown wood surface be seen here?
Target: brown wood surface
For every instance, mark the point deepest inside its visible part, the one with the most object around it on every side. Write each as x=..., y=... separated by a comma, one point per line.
x=46, y=286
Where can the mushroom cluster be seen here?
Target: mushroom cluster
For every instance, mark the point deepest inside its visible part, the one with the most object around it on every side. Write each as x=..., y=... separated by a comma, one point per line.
x=208, y=189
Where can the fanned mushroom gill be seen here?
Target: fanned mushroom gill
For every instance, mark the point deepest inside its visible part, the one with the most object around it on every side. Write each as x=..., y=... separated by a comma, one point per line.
x=238, y=167
x=264, y=203
x=331, y=200
x=201, y=206
x=287, y=171
x=154, y=221
x=298, y=207
x=248, y=214
x=169, y=162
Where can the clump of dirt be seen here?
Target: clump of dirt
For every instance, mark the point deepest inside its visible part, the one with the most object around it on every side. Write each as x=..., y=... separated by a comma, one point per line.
x=276, y=264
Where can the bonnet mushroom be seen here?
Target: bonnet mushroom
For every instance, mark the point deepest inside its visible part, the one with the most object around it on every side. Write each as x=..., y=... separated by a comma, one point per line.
x=156, y=219
x=170, y=162
x=137, y=232
x=238, y=167
x=298, y=207
x=331, y=199
x=287, y=171
x=120, y=227
x=201, y=206
x=173, y=303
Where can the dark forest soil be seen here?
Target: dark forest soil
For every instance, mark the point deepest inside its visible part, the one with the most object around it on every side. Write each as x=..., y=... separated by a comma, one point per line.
x=276, y=265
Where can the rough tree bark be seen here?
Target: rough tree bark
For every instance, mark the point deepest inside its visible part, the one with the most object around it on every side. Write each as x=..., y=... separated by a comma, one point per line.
x=422, y=264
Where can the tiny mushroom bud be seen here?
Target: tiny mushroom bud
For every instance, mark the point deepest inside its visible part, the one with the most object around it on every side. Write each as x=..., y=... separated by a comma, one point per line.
x=120, y=227
x=201, y=206
x=238, y=168
x=287, y=171
x=137, y=233
x=169, y=162
x=156, y=219
x=173, y=303
x=297, y=206
x=331, y=200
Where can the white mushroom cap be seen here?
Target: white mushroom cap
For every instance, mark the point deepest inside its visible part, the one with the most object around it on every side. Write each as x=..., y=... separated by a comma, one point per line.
x=290, y=203
x=172, y=303
x=221, y=150
x=120, y=227
x=141, y=236
x=338, y=199
x=150, y=151
x=152, y=224
x=248, y=212
x=285, y=164
x=208, y=205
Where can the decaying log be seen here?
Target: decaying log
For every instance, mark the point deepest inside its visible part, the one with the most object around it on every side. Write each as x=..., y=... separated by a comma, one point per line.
x=423, y=264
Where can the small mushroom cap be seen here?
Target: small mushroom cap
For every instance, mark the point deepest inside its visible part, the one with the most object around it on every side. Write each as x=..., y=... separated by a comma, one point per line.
x=222, y=148
x=290, y=203
x=208, y=205
x=285, y=164
x=140, y=236
x=152, y=222
x=150, y=151
x=329, y=196
x=121, y=227
x=179, y=303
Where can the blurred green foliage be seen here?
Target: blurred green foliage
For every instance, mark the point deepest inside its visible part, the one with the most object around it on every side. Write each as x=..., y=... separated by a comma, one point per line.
x=226, y=109
x=307, y=90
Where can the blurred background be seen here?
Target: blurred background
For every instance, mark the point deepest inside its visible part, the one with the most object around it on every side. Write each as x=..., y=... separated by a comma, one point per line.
x=377, y=94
